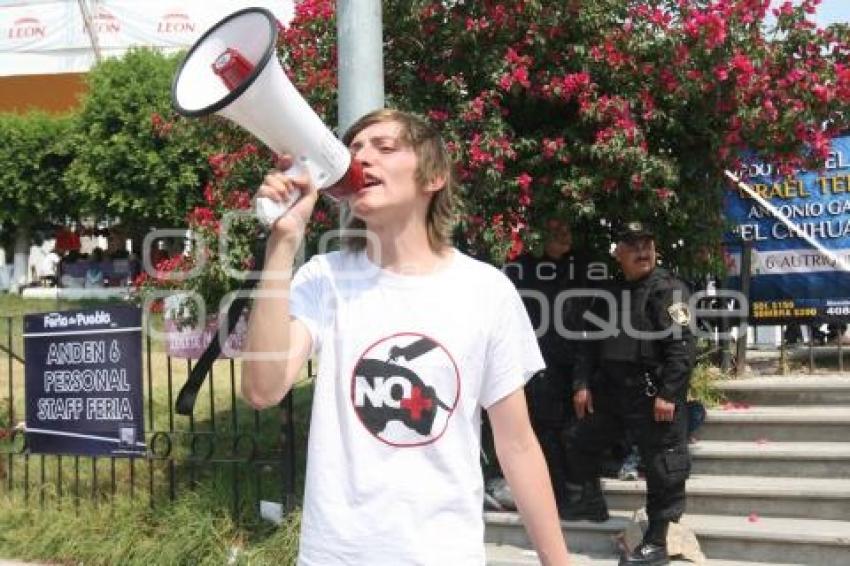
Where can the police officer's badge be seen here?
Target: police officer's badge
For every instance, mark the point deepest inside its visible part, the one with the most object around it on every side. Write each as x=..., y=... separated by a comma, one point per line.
x=679, y=313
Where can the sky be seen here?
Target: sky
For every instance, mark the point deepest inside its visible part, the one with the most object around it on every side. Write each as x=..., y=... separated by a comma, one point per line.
x=829, y=11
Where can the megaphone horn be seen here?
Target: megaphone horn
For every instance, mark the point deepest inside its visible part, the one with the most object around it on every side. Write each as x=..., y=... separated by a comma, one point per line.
x=233, y=71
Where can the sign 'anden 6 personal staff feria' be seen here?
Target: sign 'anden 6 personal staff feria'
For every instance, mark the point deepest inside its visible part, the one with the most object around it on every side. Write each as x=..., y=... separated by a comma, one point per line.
x=792, y=279
x=84, y=382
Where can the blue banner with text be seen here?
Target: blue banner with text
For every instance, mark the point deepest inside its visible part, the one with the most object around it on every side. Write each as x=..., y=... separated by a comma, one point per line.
x=793, y=280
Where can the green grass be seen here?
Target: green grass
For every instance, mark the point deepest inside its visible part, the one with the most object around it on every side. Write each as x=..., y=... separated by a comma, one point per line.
x=74, y=514
x=195, y=529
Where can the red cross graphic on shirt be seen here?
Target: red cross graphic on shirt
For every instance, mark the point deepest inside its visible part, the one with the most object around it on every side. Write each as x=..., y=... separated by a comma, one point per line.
x=416, y=404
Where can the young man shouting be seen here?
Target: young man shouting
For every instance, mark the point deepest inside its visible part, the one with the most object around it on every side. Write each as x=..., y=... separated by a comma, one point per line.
x=413, y=339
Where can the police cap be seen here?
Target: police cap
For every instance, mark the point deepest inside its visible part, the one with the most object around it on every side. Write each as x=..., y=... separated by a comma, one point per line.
x=633, y=230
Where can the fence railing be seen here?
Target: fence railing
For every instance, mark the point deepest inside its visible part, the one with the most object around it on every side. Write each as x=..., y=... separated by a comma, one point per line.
x=240, y=455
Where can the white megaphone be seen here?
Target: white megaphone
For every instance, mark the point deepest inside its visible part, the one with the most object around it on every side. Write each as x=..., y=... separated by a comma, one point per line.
x=233, y=71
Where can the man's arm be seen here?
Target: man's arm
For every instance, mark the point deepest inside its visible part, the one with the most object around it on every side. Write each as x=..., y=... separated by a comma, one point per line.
x=587, y=355
x=277, y=346
x=677, y=349
x=525, y=469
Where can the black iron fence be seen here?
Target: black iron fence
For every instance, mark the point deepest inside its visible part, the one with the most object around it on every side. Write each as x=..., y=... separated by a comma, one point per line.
x=238, y=455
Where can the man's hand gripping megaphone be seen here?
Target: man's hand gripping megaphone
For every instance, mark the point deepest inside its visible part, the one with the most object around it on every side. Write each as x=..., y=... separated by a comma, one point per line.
x=285, y=200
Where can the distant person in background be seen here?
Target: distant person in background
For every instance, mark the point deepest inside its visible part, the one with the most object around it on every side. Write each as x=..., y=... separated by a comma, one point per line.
x=49, y=267
x=94, y=274
x=4, y=270
x=117, y=246
x=36, y=256
x=67, y=240
x=834, y=332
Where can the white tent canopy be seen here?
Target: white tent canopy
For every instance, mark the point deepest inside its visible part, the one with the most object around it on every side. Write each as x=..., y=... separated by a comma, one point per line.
x=51, y=36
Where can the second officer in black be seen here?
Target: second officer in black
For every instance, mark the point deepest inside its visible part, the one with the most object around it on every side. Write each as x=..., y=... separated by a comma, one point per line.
x=541, y=281
x=632, y=375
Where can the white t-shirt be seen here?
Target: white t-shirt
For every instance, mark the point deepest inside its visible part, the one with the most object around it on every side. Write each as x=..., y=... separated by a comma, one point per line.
x=49, y=265
x=405, y=365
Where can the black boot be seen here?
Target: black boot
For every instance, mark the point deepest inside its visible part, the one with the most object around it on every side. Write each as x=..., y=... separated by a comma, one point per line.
x=646, y=554
x=590, y=506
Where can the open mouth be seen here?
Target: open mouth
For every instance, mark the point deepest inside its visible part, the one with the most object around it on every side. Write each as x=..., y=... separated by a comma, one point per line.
x=370, y=181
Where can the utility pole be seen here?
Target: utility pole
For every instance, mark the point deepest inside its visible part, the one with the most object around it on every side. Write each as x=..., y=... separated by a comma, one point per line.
x=361, y=59
x=87, y=19
x=360, y=67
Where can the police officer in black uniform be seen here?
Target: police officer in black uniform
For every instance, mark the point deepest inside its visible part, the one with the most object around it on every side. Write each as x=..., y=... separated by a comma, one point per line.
x=540, y=279
x=632, y=374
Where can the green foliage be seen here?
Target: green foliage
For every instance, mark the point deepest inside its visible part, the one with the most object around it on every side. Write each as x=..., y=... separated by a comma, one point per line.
x=34, y=152
x=135, y=160
x=703, y=385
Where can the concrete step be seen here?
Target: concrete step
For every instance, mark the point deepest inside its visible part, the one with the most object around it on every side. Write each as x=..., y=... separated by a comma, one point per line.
x=795, y=390
x=771, y=459
x=743, y=496
x=815, y=423
x=509, y=555
x=765, y=540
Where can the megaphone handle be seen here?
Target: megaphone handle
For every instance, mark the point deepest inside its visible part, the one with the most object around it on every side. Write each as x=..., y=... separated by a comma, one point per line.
x=268, y=210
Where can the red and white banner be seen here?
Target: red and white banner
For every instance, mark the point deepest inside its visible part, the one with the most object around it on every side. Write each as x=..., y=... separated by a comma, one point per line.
x=47, y=37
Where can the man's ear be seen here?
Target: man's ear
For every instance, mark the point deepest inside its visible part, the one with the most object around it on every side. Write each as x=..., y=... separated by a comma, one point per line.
x=435, y=184
x=617, y=252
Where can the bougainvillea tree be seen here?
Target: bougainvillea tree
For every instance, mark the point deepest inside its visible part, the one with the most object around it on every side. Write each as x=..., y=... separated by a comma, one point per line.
x=595, y=110
x=599, y=109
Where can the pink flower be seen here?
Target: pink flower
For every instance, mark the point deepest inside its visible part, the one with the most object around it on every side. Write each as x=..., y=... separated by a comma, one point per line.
x=668, y=80
x=822, y=93
x=209, y=194
x=575, y=83
x=517, y=246
x=786, y=9
x=506, y=81
x=438, y=115
x=551, y=146
x=218, y=163
x=520, y=75
x=770, y=109
x=239, y=200
x=636, y=181
x=202, y=216
x=524, y=181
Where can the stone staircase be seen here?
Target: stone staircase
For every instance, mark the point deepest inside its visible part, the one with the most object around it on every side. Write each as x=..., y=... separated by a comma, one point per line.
x=770, y=482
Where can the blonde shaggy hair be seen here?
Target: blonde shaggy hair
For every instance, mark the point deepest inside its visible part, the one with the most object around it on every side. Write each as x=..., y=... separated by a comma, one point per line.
x=433, y=162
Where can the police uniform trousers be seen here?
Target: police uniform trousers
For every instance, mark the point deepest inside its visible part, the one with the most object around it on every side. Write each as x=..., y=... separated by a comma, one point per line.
x=551, y=413
x=663, y=448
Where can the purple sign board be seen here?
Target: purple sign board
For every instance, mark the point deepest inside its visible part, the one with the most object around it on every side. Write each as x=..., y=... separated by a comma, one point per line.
x=83, y=372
